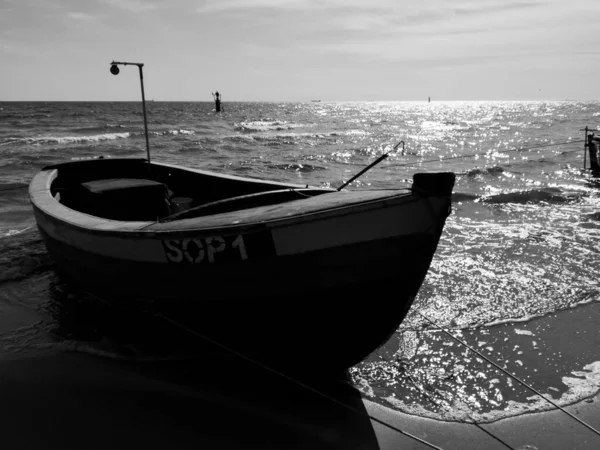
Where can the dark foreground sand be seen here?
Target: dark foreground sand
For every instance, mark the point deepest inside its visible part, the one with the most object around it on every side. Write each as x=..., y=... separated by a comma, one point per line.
x=59, y=400
x=74, y=401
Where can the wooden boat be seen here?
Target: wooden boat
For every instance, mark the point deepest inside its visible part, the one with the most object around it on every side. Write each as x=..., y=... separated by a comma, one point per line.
x=296, y=277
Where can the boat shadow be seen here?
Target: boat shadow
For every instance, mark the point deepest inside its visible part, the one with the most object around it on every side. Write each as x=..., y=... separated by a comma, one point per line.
x=198, y=395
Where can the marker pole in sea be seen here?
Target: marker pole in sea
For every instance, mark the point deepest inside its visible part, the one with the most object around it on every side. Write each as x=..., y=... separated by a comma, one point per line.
x=217, y=98
x=114, y=69
x=585, y=144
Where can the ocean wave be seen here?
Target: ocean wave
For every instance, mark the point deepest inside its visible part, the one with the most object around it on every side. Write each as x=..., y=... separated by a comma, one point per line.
x=289, y=138
x=593, y=216
x=98, y=129
x=297, y=167
x=167, y=133
x=265, y=125
x=10, y=187
x=545, y=195
x=355, y=133
x=445, y=126
x=463, y=197
x=14, y=232
x=21, y=254
x=483, y=171
x=25, y=115
x=64, y=139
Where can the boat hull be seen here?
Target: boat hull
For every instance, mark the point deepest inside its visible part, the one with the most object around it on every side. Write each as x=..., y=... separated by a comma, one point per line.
x=295, y=312
x=316, y=292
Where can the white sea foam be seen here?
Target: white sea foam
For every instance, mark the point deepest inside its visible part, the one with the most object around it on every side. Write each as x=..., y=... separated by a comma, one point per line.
x=13, y=232
x=266, y=125
x=64, y=139
x=172, y=133
x=582, y=385
x=524, y=332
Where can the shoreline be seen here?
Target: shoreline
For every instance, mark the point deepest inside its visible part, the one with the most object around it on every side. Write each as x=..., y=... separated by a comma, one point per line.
x=531, y=431
x=426, y=374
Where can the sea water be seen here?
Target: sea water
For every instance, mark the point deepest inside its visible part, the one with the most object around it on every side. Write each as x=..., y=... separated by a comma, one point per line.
x=515, y=274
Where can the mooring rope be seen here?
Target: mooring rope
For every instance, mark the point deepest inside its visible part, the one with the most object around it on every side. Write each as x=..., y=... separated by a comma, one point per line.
x=589, y=427
x=426, y=394
x=298, y=382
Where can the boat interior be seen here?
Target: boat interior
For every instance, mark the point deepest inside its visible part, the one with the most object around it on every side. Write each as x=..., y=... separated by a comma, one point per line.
x=133, y=190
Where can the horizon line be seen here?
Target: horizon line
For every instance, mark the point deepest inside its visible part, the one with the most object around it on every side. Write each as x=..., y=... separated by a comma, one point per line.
x=294, y=101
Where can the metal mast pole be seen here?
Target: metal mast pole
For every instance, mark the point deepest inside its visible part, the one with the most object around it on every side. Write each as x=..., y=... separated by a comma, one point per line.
x=115, y=70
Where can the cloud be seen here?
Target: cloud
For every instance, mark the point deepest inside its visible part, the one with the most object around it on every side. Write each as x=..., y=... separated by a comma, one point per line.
x=80, y=16
x=220, y=6
x=482, y=8
x=136, y=6
x=18, y=49
x=361, y=15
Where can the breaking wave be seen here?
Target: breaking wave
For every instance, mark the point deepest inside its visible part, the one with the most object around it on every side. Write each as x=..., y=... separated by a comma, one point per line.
x=483, y=171
x=168, y=133
x=545, y=195
x=64, y=139
x=265, y=125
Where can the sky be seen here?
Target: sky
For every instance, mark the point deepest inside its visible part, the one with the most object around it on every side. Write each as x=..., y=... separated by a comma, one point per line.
x=300, y=50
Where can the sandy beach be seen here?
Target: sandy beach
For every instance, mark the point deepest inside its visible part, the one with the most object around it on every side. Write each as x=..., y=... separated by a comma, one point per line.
x=546, y=430
x=60, y=399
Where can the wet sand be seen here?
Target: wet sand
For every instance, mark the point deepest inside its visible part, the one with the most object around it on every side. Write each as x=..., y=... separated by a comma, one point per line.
x=72, y=401
x=542, y=431
x=429, y=374
x=556, y=354
x=68, y=400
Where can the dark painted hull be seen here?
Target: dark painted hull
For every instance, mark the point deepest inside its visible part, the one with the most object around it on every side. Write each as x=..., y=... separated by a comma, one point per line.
x=322, y=302
x=329, y=318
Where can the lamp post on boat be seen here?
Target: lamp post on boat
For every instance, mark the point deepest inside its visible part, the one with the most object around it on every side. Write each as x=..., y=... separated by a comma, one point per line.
x=114, y=69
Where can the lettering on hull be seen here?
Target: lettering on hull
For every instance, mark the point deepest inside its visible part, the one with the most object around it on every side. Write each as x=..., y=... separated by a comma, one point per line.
x=217, y=249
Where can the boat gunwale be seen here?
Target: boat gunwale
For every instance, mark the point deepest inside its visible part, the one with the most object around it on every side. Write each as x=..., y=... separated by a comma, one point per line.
x=178, y=167
x=46, y=204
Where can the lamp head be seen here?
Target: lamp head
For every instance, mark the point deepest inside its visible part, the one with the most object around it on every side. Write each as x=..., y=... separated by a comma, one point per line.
x=114, y=69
